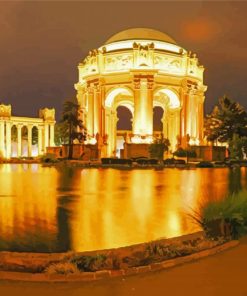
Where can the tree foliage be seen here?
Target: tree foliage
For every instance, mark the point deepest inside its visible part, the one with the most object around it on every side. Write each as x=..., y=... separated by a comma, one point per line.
x=228, y=123
x=227, y=118
x=71, y=127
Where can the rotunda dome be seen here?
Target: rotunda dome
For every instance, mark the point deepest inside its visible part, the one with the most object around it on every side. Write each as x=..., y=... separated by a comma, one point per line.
x=141, y=34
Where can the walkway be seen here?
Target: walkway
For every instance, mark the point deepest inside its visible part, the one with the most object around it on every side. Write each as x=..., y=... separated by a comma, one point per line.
x=220, y=275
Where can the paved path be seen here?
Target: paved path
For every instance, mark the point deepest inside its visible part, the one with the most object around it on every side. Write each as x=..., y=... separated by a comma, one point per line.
x=219, y=275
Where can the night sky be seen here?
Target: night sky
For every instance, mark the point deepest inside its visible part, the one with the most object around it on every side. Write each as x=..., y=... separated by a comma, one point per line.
x=41, y=44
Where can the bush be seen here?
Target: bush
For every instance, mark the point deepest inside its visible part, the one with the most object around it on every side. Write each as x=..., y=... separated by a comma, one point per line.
x=89, y=263
x=147, y=161
x=227, y=218
x=169, y=161
x=121, y=161
x=185, y=153
x=48, y=158
x=61, y=268
x=205, y=164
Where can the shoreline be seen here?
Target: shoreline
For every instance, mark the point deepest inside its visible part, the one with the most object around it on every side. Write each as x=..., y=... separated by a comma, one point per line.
x=40, y=258
x=98, y=164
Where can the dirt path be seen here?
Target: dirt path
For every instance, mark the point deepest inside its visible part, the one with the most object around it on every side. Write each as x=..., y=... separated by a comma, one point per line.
x=223, y=274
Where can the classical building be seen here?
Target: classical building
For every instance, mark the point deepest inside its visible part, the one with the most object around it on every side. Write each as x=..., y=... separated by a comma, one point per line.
x=141, y=69
x=19, y=130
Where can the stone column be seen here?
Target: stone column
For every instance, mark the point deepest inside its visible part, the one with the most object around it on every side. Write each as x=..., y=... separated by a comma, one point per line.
x=136, y=124
x=19, y=139
x=29, y=140
x=108, y=131
x=188, y=114
x=114, y=133
x=2, y=139
x=90, y=113
x=51, y=144
x=173, y=127
x=8, y=139
x=46, y=136
x=96, y=108
x=149, y=108
x=165, y=124
x=201, y=118
x=143, y=114
x=40, y=140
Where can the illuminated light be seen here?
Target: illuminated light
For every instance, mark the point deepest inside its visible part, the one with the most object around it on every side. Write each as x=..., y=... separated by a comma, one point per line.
x=113, y=93
x=140, y=73
x=172, y=96
x=128, y=44
x=91, y=141
x=44, y=126
x=137, y=139
x=194, y=142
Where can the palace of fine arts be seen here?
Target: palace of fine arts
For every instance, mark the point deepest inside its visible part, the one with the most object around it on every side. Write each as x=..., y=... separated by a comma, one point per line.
x=123, y=148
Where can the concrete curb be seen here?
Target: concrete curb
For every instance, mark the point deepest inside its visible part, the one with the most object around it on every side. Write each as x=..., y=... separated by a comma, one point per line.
x=104, y=274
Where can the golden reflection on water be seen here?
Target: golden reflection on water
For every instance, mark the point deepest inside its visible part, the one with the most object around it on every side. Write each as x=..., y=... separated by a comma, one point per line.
x=59, y=209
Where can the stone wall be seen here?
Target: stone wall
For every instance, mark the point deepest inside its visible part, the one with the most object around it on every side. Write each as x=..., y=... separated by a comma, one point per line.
x=209, y=153
x=136, y=150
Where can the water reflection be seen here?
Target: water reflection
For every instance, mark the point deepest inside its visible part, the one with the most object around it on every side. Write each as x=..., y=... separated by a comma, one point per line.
x=59, y=209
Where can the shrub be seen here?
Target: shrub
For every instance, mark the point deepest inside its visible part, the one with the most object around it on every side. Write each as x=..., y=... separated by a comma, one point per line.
x=61, y=268
x=185, y=153
x=227, y=218
x=89, y=263
x=48, y=158
x=205, y=164
x=121, y=161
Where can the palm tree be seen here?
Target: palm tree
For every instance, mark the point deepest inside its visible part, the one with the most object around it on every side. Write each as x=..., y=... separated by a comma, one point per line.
x=71, y=117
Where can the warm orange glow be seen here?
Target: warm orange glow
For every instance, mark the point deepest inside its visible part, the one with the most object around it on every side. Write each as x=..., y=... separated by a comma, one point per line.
x=200, y=29
x=140, y=68
x=97, y=209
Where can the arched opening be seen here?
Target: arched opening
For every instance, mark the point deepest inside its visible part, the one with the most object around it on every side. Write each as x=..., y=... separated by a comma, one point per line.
x=124, y=118
x=169, y=101
x=158, y=113
x=119, y=105
x=24, y=144
x=124, y=127
x=13, y=141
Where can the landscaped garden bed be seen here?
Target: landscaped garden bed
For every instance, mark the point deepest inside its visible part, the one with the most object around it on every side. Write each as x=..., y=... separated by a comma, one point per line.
x=114, y=260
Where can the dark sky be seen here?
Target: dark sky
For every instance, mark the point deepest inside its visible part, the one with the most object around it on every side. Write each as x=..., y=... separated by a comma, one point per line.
x=41, y=44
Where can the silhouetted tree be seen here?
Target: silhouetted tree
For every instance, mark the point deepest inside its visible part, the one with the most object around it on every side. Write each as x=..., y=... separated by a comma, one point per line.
x=228, y=123
x=227, y=118
x=73, y=125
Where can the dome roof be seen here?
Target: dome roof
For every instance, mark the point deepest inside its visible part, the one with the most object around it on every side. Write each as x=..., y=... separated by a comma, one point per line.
x=141, y=34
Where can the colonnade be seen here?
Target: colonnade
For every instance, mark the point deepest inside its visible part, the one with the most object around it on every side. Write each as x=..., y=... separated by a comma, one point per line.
x=45, y=132
x=183, y=111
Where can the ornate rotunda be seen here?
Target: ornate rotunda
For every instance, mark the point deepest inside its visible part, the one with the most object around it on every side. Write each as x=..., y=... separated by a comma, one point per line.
x=141, y=69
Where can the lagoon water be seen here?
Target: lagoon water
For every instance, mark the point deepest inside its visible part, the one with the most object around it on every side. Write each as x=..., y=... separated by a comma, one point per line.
x=57, y=209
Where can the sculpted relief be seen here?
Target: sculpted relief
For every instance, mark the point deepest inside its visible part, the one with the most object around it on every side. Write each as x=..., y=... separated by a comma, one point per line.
x=47, y=114
x=168, y=64
x=5, y=110
x=118, y=62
